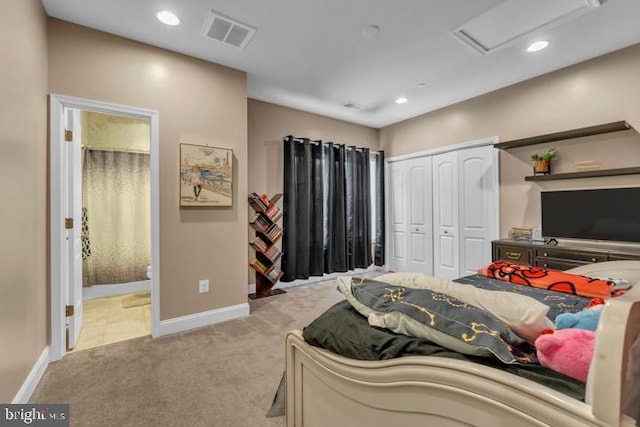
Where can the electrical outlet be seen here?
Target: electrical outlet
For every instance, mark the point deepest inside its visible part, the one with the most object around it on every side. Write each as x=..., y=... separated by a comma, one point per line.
x=204, y=286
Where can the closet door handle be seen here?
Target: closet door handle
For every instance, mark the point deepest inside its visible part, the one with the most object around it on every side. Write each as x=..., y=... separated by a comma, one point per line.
x=446, y=232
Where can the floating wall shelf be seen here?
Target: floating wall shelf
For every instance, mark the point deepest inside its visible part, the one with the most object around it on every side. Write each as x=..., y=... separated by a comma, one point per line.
x=586, y=174
x=569, y=134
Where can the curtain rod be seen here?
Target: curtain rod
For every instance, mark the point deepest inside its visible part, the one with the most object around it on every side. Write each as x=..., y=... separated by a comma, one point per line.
x=119, y=149
x=319, y=142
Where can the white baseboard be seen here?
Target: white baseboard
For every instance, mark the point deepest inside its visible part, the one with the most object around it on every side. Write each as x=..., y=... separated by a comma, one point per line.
x=102, y=291
x=317, y=279
x=198, y=320
x=34, y=377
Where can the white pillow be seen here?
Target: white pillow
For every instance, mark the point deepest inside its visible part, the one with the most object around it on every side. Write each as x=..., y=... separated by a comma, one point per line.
x=626, y=270
x=524, y=315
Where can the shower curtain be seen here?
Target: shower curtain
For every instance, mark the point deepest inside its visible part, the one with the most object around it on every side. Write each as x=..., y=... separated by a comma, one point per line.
x=117, y=199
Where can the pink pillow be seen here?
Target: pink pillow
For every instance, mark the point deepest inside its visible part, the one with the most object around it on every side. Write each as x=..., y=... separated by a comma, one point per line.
x=568, y=351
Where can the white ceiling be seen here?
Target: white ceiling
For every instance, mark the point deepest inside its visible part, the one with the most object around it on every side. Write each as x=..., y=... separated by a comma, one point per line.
x=312, y=55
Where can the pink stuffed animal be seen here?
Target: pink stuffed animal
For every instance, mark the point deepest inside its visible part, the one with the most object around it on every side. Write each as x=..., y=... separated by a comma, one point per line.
x=568, y=351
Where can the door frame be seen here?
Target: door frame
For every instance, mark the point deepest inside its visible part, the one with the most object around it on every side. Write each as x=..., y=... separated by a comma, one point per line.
x=57, y=167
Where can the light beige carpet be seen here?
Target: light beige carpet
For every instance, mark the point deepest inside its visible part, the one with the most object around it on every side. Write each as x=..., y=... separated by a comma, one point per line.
x=216, y=376
x=136, y=300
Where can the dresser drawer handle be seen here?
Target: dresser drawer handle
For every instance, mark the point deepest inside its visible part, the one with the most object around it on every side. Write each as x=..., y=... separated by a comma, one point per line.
x=545, y=254
x=593, y=259
x=514, y=255
x=545, y=265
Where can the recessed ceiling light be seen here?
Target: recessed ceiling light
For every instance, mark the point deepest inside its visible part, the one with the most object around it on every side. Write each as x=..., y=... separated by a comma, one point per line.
x=370, y=30
x=401, y=100
x=168, y=18
x=536, y=46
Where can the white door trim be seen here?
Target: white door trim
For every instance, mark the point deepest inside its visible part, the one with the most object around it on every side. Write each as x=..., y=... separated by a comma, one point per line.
x=490, y=140
x=56, y=105
x=495, y=176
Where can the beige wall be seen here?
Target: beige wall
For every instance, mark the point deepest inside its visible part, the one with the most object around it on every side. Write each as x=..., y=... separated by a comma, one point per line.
x=199, y=103
x=23, y=188
x=269, y=123
x=598, y=91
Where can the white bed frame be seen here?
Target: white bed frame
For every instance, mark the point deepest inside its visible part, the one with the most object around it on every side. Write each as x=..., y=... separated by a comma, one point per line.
x=324, y=389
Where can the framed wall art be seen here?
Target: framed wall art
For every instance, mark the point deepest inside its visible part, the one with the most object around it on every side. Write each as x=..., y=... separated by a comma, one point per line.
x=206, y=176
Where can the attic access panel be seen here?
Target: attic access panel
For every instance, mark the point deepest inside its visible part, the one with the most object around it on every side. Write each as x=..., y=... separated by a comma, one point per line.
x=513, y=19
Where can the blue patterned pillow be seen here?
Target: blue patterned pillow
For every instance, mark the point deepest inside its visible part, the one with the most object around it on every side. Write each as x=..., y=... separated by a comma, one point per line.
x=437, y=317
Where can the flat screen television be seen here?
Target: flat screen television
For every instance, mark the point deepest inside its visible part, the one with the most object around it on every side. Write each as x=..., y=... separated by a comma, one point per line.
x=606, y=214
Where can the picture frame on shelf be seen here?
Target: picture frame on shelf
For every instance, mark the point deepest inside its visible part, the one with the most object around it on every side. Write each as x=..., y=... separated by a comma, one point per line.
x=206, y=176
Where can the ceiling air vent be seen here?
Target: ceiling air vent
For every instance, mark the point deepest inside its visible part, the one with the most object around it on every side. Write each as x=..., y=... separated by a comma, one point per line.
x=512, y=19
x=227, y=30
x=353, y=106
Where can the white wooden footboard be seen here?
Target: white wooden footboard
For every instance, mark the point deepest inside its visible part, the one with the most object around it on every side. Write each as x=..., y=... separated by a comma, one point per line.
x=324, y=389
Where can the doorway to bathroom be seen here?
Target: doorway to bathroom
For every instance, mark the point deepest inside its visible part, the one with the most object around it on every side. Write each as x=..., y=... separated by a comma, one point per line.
x=104, y=224
x=115, y=229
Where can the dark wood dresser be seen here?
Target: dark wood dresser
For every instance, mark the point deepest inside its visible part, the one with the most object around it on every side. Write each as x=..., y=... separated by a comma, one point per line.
x=562, y=256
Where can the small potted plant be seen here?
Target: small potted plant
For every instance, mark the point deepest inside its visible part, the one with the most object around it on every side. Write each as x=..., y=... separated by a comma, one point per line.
x=542, y=162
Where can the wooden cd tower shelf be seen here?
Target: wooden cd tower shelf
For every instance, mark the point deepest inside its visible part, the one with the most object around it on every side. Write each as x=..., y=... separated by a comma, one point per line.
x=268, y=232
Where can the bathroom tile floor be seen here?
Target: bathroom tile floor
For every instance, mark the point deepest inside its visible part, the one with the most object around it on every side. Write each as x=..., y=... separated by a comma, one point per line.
x=106, y=321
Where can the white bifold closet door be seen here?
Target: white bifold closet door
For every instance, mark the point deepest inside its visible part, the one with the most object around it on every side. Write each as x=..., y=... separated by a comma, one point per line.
x=397, y=212
x=465, y=210
x=419, y=216
x=478, y=212
x=446, y=245
x=410, y=211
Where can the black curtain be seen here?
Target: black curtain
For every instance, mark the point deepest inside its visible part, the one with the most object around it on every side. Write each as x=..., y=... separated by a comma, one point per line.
x=358, y=200
x=335, y=226
x=379, y=215
x=303, y=240
x=327, y=209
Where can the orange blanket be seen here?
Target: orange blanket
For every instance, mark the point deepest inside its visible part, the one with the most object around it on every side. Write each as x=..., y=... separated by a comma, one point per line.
x=553, y=280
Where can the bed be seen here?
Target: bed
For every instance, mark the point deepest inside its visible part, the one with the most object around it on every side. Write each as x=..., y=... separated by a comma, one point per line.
x=325, y=389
